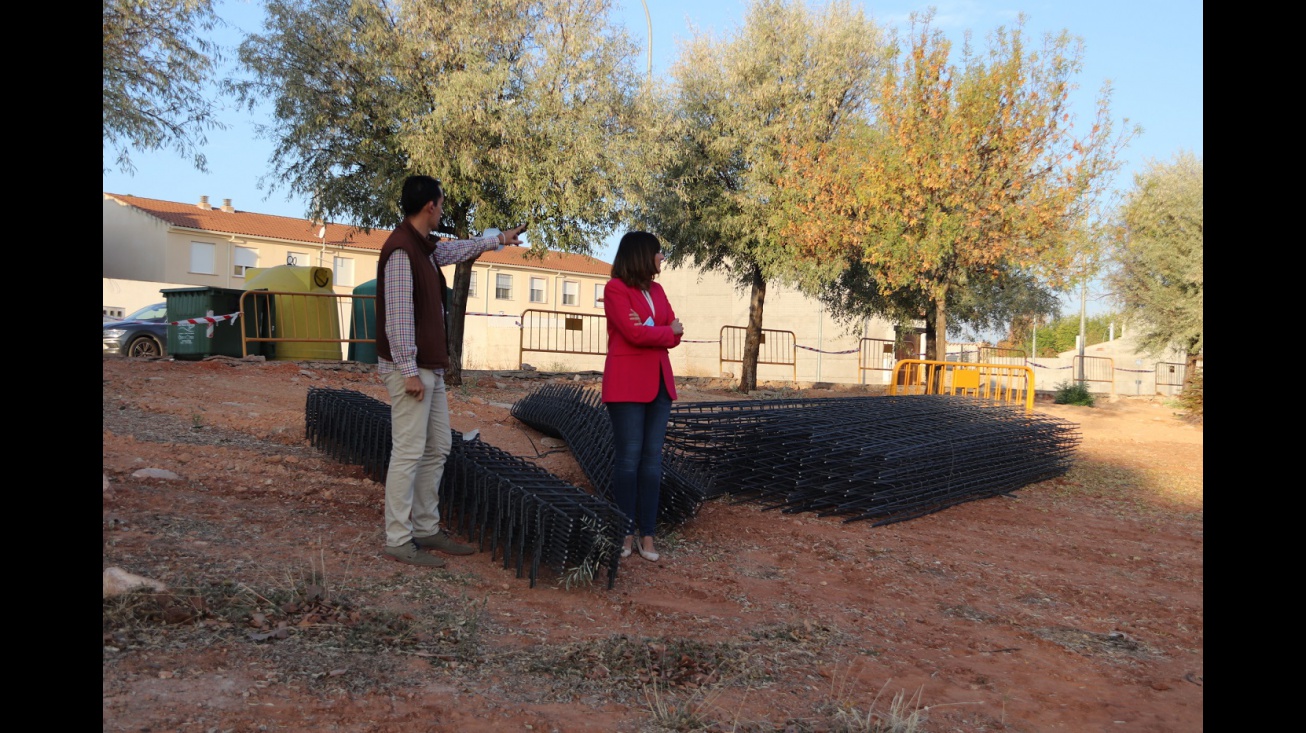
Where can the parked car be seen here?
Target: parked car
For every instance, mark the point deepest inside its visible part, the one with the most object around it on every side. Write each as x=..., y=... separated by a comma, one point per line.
x=141, y=333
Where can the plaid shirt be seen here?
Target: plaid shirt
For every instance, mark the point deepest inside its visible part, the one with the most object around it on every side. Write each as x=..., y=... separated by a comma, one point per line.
x=399, y=326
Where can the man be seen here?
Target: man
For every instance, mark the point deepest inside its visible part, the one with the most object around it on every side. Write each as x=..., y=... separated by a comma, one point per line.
x=412, y=355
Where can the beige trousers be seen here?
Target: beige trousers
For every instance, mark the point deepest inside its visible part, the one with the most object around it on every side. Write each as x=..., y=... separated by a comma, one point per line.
x=420, y=443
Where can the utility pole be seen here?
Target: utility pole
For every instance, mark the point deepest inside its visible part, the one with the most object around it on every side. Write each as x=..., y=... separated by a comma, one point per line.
x=1083, y=298
x=649, y=19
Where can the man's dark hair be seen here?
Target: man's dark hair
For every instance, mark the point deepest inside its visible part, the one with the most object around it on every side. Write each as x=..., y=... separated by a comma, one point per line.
x=418, y=191
x=633, y=263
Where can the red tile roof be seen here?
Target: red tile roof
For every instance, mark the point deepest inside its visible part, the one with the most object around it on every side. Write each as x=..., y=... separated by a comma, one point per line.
x=268, y=226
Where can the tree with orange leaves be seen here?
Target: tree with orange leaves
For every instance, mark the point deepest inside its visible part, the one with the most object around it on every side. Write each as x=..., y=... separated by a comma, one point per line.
x=968, y=179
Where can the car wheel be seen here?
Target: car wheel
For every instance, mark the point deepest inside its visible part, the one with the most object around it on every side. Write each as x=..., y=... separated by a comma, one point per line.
x=144, y=346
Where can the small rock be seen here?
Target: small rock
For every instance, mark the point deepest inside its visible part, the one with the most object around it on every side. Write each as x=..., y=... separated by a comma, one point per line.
x=118, y=581
x=155, y=473
x=549, y=442
x=106, y=482
x=501, y=405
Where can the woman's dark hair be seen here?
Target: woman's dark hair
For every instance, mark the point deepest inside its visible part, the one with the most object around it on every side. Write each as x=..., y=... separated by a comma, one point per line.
x=633, y=263
x=417, y=192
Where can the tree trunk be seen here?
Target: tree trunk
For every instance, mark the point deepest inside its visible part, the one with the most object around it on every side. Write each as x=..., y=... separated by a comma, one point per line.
x=462, y=279
x=753, y=333
x=1190, y=365
x=936, y=339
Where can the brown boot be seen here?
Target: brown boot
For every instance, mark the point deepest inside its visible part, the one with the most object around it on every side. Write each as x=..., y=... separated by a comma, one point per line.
x=440, y=541
x=413, y=555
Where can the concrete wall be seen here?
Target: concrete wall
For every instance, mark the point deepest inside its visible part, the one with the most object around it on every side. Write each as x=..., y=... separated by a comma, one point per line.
x=826, y=351
x=134, y=245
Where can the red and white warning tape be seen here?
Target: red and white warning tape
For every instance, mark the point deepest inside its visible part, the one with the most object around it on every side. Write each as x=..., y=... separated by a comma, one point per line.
x=206, y=319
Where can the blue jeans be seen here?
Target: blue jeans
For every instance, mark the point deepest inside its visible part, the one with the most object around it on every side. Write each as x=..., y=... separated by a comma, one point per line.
x=638, y=429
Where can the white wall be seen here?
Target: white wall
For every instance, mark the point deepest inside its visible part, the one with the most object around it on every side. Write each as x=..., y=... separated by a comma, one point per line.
x=130, y=295
x=707, y=301
x=134, y=244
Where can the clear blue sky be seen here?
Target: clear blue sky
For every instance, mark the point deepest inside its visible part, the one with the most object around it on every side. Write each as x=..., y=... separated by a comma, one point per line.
x=1150, y=50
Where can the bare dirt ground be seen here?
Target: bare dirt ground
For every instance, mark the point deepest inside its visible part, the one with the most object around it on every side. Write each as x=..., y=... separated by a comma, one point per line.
x=1077, y=605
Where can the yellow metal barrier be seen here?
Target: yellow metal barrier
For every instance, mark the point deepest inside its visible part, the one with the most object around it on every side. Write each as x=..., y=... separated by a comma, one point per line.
x=992, y=382
x=780, y=350
x=559, y=332
x=287, y=317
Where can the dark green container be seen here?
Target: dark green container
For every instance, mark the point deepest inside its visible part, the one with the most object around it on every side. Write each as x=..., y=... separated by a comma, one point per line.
x=362, y=325
x=192, y=340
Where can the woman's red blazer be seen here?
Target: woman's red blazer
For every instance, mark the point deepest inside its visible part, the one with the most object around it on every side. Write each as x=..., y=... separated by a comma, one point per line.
x=636, y=353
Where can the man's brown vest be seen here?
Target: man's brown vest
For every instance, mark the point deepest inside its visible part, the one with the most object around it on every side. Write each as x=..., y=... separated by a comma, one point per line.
x=428, y=298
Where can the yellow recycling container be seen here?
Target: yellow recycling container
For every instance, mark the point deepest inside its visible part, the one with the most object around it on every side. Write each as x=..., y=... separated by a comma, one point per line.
x=296, y=316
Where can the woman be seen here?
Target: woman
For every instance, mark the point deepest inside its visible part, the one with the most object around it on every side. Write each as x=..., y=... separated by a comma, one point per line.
x=637, y=383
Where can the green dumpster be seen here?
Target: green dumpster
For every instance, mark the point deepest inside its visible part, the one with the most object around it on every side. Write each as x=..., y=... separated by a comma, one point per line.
x=204, y=338
x=363, y=324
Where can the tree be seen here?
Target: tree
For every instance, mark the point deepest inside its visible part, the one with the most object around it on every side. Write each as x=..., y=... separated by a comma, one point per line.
x=969, y=177
x=788, y=73
x=157, y=60
x=1059, y=335
x=525, y=110
x=1157, y=273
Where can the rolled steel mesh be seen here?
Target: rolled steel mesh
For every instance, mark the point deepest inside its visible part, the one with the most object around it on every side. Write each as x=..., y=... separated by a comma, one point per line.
x=519, y=511
x=576, y=414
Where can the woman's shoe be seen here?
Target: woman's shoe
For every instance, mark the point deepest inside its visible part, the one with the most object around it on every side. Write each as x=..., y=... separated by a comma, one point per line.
x=625, y=548
x=650, y=555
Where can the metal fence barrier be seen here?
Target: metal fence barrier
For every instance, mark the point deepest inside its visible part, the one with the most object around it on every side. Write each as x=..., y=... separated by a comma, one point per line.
x=999, y=383
x=558, y=332
x=1001, y=355
x=1169, y=374
x=781, y=349
x=1095, y=369
x=874, y=355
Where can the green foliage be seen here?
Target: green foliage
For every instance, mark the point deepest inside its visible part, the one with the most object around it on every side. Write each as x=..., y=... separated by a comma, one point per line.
x=1060, y=336
x=1073, y=393
x=789, y=74
x=1158, y=255
x=968, y=191
x=526, y=110
x=157, y=57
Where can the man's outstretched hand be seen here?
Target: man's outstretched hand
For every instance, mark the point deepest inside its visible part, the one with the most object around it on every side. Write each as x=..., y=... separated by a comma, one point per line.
x=512, y=236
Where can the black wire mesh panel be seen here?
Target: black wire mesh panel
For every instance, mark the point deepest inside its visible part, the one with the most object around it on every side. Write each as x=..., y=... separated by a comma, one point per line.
x=888, y=459
x=528, y=516
x=517, y=510
x=351, y=427
x=576, y=414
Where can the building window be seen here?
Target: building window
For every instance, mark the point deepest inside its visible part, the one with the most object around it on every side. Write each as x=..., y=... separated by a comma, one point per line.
x=203, y=258
x=242, y=259
x=598, y=296
x=570, y=292
x=503, y=287
x=537, y=290
x=471, y=287
x=298, y=259
x=344, y=271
